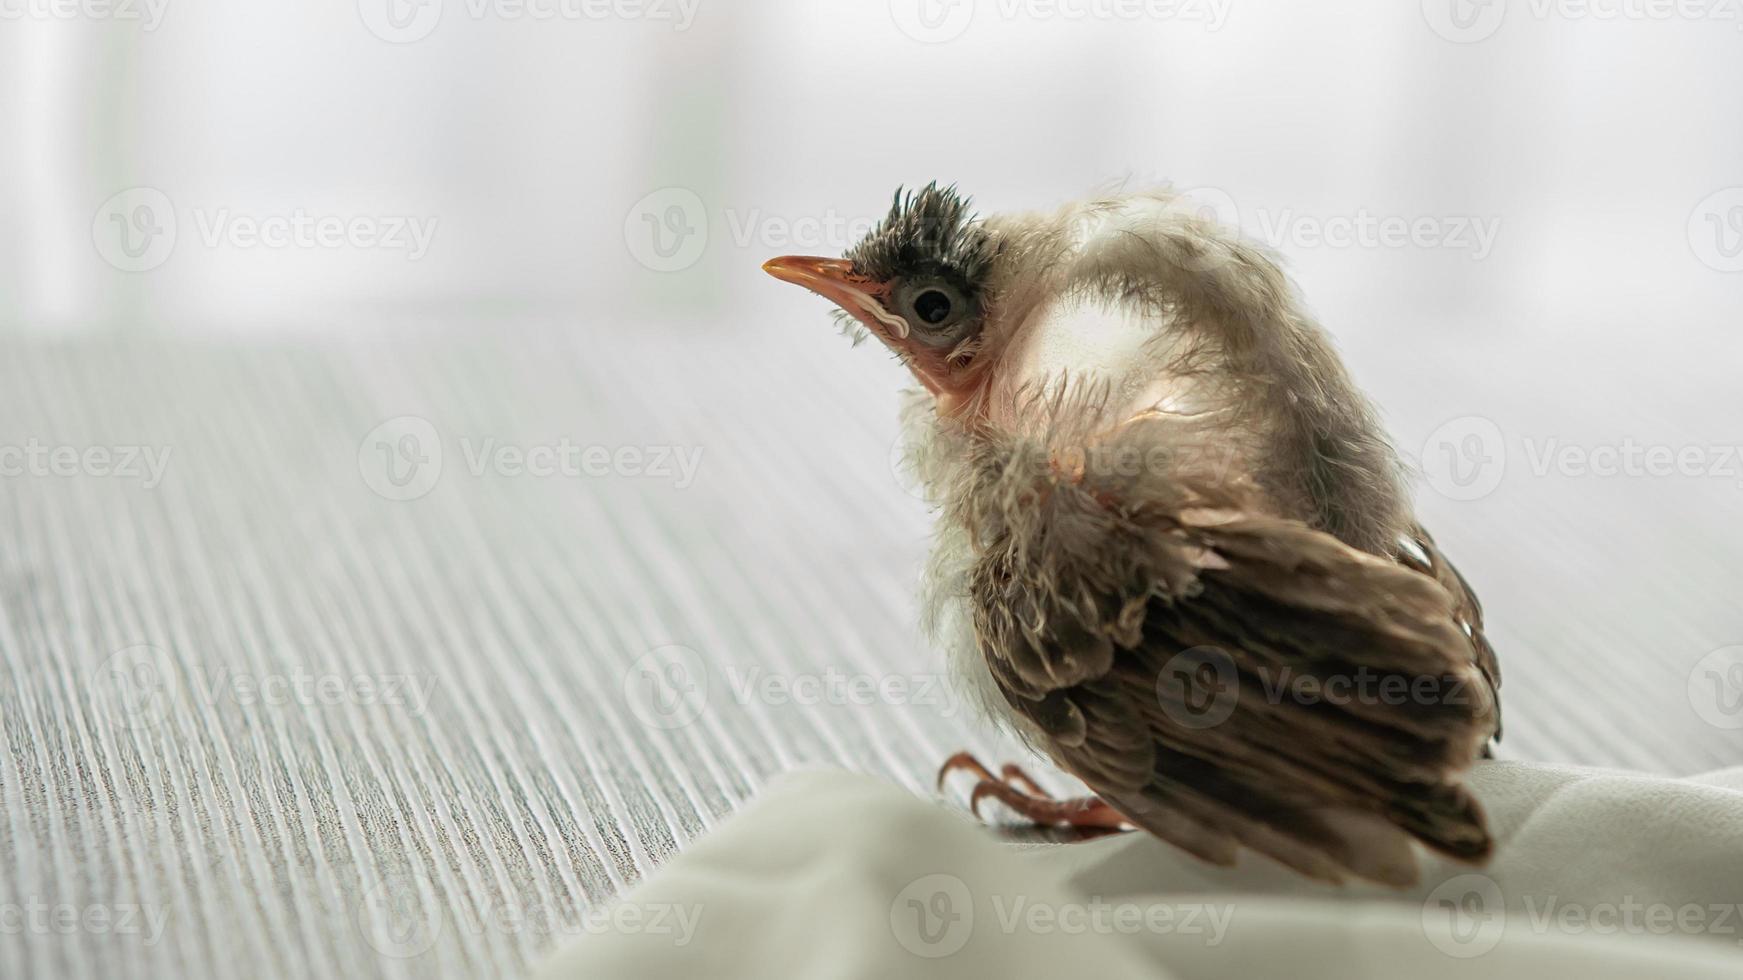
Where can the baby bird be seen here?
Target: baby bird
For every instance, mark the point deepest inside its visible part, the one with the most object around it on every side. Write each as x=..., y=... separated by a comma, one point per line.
x=1174, y=552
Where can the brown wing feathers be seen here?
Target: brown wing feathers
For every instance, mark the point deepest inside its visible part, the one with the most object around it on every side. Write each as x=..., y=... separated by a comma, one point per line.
x=1102, y=621
x=1422, y=554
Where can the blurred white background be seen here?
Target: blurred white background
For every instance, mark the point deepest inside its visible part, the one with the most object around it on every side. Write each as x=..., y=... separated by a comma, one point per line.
x=522, y=136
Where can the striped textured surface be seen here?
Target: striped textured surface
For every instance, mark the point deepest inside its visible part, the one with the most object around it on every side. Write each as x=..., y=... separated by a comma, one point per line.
x=263, y=716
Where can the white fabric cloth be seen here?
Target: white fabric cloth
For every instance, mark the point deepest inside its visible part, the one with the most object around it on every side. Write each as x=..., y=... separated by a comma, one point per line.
x=1597, y=874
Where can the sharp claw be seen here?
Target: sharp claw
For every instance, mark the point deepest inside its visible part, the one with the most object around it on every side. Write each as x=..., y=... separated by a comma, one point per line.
x=949, y=767
x=961, y=760
x=1011, y=773
x=981, y=792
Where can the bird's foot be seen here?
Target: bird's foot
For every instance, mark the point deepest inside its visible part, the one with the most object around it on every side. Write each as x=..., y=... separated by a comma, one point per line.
x=1014, y=788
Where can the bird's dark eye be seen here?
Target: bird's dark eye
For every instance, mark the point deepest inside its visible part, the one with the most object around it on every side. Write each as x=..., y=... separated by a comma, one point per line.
x=939, y=311
x=932, y=306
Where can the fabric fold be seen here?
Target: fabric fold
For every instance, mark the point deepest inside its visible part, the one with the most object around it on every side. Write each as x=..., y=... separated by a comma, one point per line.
x=830, y=874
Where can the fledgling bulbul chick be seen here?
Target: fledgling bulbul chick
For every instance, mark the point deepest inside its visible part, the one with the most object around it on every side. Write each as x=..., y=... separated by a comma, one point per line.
x=1174, y=551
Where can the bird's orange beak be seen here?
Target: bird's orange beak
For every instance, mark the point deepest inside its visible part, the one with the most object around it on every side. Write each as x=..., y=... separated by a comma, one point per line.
x=835, y=281
x=862, y=297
